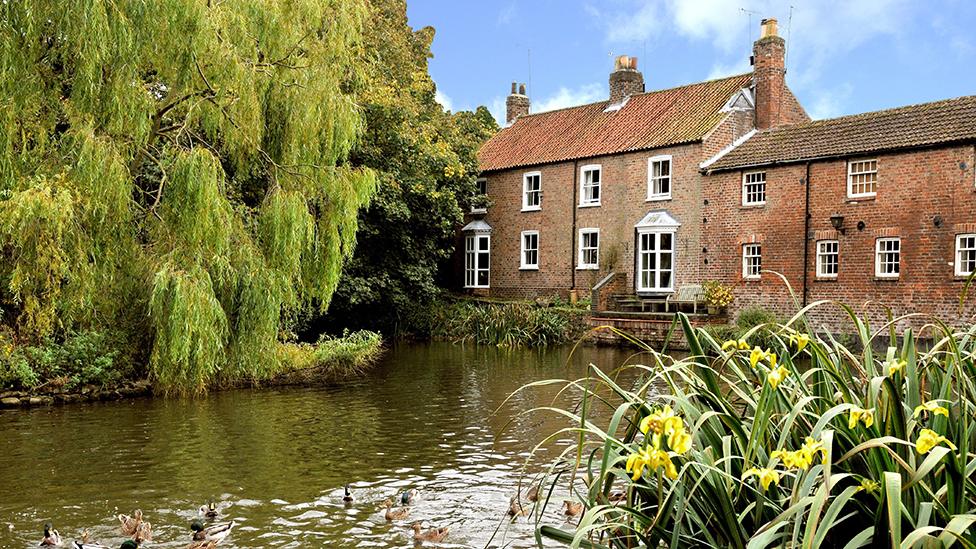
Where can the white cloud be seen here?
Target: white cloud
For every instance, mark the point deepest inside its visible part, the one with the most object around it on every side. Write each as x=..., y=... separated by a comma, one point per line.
x=829, y=103
x=633, y=25
x=498, y=110
x=507, y=13
x=443, y=99
x=721, y=70
x=565, y=97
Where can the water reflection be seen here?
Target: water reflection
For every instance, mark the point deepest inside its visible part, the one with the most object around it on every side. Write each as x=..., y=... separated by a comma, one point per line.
x=276, y=460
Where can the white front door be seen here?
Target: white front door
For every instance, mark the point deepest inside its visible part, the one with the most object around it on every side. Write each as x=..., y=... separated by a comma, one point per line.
x=655, y=261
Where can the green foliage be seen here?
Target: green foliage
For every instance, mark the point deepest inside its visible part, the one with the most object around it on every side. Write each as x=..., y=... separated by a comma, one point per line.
x=331, y=358
x=806, y=443
x=507, y=324
x=178, y=172
x=426, y=164
x=79, y=359
x=747, y=319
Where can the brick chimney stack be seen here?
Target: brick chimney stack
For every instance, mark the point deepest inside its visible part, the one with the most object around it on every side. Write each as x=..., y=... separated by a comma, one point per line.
x=769, y=76
x=517, y=103
x=625, y=79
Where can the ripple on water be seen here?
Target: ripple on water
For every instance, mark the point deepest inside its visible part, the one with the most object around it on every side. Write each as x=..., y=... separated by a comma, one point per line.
x=275, y=461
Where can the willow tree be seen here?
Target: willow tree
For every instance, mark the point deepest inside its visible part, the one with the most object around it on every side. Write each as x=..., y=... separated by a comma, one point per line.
x=176, y=170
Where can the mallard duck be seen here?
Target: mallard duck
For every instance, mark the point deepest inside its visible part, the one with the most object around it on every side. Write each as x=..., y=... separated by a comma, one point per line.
x=129, y=544
x=515, y=508
x=209, y=511
x=131, y=524
x=215, y=532
x=573, y=508
x=406, y=498
x=395, y=513
x=347, y=498
x=533, y=493
x=86, y=542
x=143, y=533
x=51, y=536
x=434, y=534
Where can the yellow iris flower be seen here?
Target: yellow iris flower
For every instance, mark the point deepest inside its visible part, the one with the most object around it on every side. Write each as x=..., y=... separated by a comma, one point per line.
x=928, y=439
x=894, y=365
x=637, y=461
x=651, y=458
x=800, y=340
x=680, y=441
x=766, y=476
x=802, y=458
x=740, y=345
x=868, y=485
x=931, y=407
x=774, y=377
x=663, y=421
x=860, y=414
x=755, y=356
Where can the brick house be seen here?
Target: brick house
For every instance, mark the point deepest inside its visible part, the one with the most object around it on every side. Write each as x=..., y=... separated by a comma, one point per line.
x=613, y=186
x=729, y=180
x=876, y=210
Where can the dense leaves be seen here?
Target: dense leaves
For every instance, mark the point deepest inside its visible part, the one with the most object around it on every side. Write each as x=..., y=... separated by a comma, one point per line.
x=176, y=171
x=426, y=163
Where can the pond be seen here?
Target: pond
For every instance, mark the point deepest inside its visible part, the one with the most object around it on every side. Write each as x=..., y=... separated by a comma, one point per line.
x=275, y=460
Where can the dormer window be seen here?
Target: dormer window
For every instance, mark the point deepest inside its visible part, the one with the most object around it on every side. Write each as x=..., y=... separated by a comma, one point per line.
x=590, y=177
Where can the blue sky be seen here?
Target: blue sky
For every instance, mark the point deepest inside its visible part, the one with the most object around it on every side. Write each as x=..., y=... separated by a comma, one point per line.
x=844, y=57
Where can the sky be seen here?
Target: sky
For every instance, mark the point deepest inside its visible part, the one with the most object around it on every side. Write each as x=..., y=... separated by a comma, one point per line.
x=843, y=57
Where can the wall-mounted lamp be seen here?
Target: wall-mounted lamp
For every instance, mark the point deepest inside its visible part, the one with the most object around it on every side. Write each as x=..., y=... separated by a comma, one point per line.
x=837, y=222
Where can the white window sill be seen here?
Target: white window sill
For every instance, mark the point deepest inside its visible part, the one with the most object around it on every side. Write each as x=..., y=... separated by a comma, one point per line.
x=525, y=268
x=752, y=277
x=658, y=198
x=587, y=267
x=533, y=209
x=589, y=205
x=856, y=197
x=753, y=204
x=479, y=210
x=826, y=277
x=886, y=277
x=477, y=287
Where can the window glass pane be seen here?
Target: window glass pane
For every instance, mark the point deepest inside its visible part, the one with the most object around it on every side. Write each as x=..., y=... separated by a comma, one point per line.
x=666, y=279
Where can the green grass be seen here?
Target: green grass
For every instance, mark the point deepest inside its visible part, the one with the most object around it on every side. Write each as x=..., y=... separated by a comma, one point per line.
x=836, y=479
x=331, y=359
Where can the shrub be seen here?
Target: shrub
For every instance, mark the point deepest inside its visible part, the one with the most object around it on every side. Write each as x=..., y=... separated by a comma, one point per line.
x=78, y=359
x=716, y=294
x=801, y=444
x=330, y=359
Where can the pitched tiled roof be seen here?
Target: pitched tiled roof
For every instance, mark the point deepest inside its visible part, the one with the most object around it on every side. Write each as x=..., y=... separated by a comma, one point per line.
x=646, y=121
x=948, y=121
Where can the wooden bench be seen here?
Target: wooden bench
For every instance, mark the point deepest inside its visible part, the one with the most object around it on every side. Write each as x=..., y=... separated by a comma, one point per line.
x=692, y=294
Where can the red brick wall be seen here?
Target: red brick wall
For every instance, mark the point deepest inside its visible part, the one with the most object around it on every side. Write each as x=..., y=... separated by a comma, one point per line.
x=623, y=204
x=913, y=188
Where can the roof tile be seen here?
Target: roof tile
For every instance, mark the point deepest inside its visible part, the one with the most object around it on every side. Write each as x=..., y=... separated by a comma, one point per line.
x=648, y=120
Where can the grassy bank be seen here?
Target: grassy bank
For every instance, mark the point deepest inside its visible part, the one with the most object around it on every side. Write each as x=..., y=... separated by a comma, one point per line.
x=92, y=362
x=803, y=442
x=507, y=324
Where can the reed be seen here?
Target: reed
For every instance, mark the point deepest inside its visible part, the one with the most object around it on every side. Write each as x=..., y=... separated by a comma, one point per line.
x=807, y=442
x=517, y=324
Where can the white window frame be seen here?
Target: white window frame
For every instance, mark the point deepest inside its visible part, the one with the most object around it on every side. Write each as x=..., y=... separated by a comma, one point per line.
x=525, y=192
x=523, y=264
x=656, y=235
x=651, y=179
x=745, y=184
x=580, y=264
x=747, y=256
x=478, y=183
x=851, y=174
x=821, y=255
x=877, y=257
x=472, y=259
x=584, y=186
x=959, y=251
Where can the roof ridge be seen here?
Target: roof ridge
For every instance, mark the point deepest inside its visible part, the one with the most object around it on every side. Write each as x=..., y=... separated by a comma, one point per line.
x=859, y=115
x=662, y=90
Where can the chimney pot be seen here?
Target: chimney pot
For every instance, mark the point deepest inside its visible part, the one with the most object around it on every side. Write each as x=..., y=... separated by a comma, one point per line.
x=768, y=28
x=625, y=80
x=517, y=103
x=521, y=89
x=513, y=88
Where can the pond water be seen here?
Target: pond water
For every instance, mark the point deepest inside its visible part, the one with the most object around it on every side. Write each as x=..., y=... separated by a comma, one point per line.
x=275, y=460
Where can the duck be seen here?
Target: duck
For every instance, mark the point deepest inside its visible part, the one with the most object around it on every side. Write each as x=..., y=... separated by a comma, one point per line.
x=406, y=498
x=515, y=508
x=395, y=513
x=573, y=508
x=533, y=493
x=214, y=533
x=128, y=544
x=86, y=542
x=434, y=534
x=131, y=524
x=209, y=511
x=51, y=537
x=143, y=533
x=347, y=498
